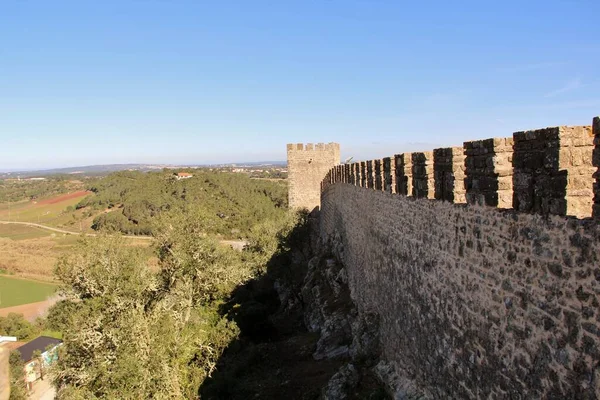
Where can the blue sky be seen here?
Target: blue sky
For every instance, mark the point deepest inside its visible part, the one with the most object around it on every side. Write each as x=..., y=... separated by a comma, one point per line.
x=94, y=82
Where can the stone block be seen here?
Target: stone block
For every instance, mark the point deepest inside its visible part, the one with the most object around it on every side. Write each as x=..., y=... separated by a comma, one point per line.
x=489, y=160
x=307, y=168
x=448, y=169
x=549, y=158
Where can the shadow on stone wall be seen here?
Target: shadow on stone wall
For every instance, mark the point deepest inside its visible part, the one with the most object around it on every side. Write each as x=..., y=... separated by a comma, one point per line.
x=481, y=181
x=274, y=355
x=260, y=361
x=444, y=175
x=403, y=173
x=370, y=176
x=363, y=174
x=388, y=175
x=540, y=186
x=420, y=177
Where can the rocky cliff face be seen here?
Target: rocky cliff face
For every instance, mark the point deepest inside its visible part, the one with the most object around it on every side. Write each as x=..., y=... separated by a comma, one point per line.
x=302, y=337
x=345, y=333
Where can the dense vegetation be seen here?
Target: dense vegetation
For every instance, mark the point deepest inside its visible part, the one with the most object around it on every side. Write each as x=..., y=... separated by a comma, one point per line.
x=232, y=203
x=133, y=333
x=135, y=327
x=12, y=190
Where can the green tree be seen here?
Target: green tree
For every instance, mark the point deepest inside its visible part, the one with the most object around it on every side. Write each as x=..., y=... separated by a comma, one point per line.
x=59, y=315
x=18, y=391
x=16, y=325
x=133, y=334
x=194, y=265
x=234, y=201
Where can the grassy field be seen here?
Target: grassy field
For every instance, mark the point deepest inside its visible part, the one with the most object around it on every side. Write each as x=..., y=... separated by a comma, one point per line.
x=20, y=232
x=15, y=291
x=51, y=211
x=33, y=258
x=31, y=252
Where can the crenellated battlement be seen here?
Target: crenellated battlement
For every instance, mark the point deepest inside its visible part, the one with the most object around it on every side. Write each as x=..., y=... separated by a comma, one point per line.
x=545, y=171
x=481, y=261
x=313, y=147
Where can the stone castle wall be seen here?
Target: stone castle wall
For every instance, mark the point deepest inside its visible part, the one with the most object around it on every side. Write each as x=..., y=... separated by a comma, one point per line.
x=307, y=166
x=547, y=171
x=473, y=302
x=492, y=292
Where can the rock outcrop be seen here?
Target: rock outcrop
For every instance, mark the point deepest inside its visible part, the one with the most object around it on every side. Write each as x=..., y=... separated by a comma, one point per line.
x=345, y=333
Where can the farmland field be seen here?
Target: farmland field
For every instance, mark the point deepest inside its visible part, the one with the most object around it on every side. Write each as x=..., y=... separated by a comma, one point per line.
x=15, y=291
x=20, y=232
x=32, y=252
x=57, y=211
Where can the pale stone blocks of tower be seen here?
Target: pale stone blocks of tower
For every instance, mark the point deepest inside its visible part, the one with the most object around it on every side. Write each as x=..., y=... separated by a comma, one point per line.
x=307, y=167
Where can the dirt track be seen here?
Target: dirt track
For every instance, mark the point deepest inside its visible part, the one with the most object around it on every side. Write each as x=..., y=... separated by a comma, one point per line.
x=65, y=197
x=235, y=244
x=32, y=310
x=63, y=231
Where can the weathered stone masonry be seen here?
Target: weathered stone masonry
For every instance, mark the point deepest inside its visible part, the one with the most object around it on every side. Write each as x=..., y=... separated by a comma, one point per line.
x=552, y=170
x=474, y=301
x=488, y=172
x=449, y=174
x=546, y=171
x=403, y=173
x=422, y=175
x=307, y=167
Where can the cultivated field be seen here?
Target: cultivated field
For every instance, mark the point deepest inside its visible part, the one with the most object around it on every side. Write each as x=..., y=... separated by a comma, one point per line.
x=27, y=255
x=17, y=291
x=32, y=252
x=58, y=211
x=19, y=232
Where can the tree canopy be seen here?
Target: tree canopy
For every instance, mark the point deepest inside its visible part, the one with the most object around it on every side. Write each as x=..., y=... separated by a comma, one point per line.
x=233, y=203
x=134, y=333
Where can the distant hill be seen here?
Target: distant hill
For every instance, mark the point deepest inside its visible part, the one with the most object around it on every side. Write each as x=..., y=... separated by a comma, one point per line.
x=108, y=168
x=231, y=203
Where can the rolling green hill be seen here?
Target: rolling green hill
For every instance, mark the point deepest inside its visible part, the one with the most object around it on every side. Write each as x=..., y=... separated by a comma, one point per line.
x=232, y=203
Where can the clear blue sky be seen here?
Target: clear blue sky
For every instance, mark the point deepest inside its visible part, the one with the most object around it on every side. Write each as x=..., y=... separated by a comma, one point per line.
x=91, y=82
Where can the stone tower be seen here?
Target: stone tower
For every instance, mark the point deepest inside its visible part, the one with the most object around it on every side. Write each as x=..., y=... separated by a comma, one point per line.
x=307, y=166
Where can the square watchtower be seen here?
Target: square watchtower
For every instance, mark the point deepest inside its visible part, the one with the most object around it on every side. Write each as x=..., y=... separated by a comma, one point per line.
x=307, y=166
